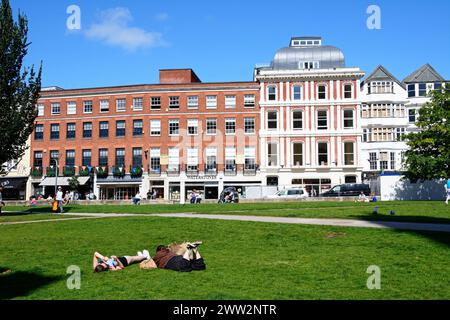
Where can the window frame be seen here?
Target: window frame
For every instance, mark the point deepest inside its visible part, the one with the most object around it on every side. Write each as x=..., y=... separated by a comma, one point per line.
x=138, y=130
x=54, y=134
x=344, y=153
x=152, y=128
x=71, y=107
x=270, y=122
x=140, y=104
x=55, y=108
x=253, y=120
x=192, y=104
x=209, y=121
x=211, y=102
x=120, y=130
x=177, y=122
x=319, y=162
x=274, y=94
x=174, y=102
x=228, y=121
x=87, y=133
x=296, y=120
x=317, y=119
x=294, y=164
x=153, y=103
x=102, y=105
x=294, y=93
x=121, y=105
x=87, y=103
x=346, y=118
x=39, y=135
x=319, y=85
x=194, y=128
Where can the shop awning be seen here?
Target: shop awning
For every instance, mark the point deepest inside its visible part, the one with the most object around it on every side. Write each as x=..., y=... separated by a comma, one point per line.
x=62, y=181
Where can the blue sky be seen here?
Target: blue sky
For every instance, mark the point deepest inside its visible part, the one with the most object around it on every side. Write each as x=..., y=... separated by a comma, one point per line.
x=127, y=42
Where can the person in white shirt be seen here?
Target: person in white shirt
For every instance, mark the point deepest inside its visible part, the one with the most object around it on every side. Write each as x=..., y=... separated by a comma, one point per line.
x=137, y=198
x=60, y=198
x=362, y=197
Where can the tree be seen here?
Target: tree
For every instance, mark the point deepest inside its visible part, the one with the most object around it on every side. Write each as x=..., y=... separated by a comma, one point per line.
x=19, y=87
x=74, y=184
x=428, y=157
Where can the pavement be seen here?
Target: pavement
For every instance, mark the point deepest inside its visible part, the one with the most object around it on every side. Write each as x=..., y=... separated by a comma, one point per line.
x=436, y=227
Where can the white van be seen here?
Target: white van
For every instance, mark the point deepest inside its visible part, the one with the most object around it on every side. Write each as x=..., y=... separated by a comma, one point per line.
x=290, y=193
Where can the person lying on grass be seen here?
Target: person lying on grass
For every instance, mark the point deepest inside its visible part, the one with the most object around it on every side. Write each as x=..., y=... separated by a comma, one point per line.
x=102, y=263
x=182, y=258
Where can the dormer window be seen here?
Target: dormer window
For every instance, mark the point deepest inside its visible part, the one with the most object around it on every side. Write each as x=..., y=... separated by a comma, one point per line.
x=308, y=65
x=296, y=42
x=411, y=90
x=422, y=90
x=381, y=87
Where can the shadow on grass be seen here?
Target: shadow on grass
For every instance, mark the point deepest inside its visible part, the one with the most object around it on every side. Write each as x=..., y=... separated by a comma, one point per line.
x=20, y=283
x=436, y=236
x=402, y=218
x=35, y=210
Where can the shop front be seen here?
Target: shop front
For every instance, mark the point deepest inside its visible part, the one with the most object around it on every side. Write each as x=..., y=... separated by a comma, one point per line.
x=118, y=188
x=14, y=188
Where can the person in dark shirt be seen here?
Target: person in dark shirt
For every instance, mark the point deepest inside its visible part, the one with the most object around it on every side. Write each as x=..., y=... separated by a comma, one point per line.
x=190, y=260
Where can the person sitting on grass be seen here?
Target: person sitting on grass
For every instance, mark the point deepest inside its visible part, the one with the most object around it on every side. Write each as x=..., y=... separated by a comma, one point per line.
x=362, y=197
x=187, y=259
x=102, y=263
x=137, y=199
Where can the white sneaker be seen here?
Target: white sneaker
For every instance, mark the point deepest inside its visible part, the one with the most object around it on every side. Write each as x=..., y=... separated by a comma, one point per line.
x=146, y=254
x=140, y=254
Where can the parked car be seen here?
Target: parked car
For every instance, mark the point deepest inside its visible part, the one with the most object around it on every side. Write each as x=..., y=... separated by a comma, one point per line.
x=347, y=190
x=290, y=193
x=229, y=195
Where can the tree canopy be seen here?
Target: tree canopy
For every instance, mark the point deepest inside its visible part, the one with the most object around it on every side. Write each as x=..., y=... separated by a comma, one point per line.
x=19, y=87
x=428, y=157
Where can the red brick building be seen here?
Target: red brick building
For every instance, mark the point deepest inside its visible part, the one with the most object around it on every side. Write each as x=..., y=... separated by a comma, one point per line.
x=172, y=137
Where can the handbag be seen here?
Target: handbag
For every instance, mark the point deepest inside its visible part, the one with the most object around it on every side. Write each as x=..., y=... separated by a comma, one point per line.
x=148, y=264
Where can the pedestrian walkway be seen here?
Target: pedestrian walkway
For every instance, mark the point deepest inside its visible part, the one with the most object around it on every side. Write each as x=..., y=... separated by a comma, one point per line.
x=303, y=221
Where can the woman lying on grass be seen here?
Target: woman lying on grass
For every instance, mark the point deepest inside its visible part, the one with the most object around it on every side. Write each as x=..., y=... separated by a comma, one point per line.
x=102, y=263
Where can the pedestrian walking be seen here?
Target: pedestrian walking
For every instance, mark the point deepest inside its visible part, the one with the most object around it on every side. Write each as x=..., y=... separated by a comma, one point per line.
x=59, y=199
x=447, y=187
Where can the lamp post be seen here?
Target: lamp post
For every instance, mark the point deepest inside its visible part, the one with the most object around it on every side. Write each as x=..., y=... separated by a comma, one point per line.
x=56, y=177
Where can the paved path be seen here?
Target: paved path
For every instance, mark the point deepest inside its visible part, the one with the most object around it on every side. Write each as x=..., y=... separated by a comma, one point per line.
x=304, y=221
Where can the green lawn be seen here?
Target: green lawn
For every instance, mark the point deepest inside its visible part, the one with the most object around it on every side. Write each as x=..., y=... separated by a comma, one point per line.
x=414, y=211
x=245, y=260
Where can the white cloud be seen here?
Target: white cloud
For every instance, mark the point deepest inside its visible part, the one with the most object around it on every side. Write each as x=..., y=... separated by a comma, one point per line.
x=113, y=29
x=162, y=16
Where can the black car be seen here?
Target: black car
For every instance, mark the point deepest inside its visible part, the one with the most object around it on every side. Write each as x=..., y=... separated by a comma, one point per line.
x=229, y=195
x=347, y=190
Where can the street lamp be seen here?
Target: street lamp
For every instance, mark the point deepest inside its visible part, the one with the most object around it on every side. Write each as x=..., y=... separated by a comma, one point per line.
x=56, y=175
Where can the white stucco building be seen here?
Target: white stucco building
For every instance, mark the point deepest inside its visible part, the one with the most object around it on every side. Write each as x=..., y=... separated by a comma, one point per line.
x=389, y=111
x=310, y=104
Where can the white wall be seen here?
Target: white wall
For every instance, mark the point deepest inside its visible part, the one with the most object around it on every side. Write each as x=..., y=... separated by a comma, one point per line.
x=394, y=188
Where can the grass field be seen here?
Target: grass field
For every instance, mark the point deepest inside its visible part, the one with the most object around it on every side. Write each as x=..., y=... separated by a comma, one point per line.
x=413, y=211
x=245, y=260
